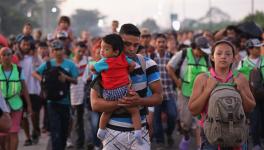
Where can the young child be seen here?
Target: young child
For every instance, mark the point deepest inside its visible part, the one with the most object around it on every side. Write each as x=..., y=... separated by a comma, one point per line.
x=64, y=25
x=223, y=55
x=114, y=69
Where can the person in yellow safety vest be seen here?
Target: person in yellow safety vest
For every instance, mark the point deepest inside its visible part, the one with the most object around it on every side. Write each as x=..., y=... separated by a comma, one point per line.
x=190, y=63
x=245, y=66
x=12, y=86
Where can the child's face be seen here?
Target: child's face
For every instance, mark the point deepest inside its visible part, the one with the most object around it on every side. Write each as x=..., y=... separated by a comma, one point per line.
x=255, y=51
x=79, y=51
x=27, y=30
x=63, y=25
x=107, y=50
x=223, y=56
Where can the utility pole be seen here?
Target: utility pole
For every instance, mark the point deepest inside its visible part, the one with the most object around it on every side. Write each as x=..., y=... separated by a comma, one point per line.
x=252, y=7
x=210, y=14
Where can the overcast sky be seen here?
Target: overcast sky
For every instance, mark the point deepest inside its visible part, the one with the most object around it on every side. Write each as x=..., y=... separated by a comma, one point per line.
x=136, y=11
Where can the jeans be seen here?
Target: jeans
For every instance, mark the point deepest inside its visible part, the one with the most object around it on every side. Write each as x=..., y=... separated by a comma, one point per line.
x=169, y=107
x=78, y=112
x=256, y=119
x=59, y=117
x=92, y=127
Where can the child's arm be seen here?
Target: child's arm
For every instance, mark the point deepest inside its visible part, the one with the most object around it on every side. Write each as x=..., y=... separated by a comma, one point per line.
x=99, y=66
x=131, y=64
x=92, y=68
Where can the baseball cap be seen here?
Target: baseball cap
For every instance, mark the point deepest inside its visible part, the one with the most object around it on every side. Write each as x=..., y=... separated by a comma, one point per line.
x=253, y=43
x=144, y=32
x=5, y=50
x=203, y=44
x=57, y=44
x=62, y=35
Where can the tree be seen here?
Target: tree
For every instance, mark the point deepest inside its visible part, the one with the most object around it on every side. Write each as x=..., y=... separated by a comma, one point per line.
x=258, y=17
x=86, y=20
x=151, y=25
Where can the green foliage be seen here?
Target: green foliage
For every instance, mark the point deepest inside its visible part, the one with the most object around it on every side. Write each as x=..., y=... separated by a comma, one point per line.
x=258, y=17
x=86, y=20
x=12, y=16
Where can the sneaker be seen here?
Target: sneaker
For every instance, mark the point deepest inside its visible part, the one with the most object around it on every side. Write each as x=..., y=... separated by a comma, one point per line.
x=184, y=145
x=159, y=146
x=96, y=148
x=170, y=141
x=69, y=143
x=256, y=147
x=101, y=133
x=28, y=142
x=35, y=139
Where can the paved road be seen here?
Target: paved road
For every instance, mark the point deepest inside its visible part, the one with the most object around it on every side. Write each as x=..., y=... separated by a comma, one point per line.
x=43, y=142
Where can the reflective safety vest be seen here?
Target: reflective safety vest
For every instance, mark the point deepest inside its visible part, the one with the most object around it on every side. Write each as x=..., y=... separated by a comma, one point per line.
x=247, y=65
x=192, y=70
x=11, y=87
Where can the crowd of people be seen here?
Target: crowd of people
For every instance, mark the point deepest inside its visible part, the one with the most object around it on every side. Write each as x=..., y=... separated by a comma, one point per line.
x=132, y=89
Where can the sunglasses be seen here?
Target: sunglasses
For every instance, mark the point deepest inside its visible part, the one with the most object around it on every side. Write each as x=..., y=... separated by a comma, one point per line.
x=128, y=44
x=7, y=54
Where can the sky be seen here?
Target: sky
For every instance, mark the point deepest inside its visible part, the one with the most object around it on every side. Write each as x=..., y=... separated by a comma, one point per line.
x=136, y=11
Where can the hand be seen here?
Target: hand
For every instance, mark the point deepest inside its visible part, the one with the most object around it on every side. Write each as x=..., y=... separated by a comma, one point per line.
x=131, y=100
x=178, y=83
x=29, y=110
x=63, y=77
x=210, y=83
x=240, y=85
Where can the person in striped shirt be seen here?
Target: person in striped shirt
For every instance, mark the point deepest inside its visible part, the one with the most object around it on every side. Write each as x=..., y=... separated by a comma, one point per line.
x=120, y=133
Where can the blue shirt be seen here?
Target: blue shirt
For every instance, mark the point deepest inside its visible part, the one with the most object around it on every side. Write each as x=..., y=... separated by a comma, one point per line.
x=68, y=66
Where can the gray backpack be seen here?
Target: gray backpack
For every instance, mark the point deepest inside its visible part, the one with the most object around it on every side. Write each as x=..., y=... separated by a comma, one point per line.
x=225, y=123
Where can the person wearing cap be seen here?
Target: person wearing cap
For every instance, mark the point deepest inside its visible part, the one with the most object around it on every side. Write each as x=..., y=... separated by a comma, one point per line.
x=26, y=32
x=254, y=61
x=67, y=45
x=145, y=38
x=195, y=62
x=12, y=84
x=59, y=110
x=29, y=61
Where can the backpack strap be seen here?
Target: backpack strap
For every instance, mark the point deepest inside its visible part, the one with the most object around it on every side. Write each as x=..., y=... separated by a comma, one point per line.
x=142, y=62
x=177, y=71
x=48, y=65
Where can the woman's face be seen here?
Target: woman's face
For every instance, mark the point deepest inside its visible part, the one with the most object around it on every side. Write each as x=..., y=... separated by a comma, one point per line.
x=6, y=57
x=223, y=56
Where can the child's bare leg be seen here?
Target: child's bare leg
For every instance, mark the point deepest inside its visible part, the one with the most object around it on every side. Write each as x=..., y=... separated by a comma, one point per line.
x=102, y=125
x=136, y=120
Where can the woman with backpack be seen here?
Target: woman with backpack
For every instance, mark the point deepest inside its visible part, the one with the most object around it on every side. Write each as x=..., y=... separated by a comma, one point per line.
x=236, y=95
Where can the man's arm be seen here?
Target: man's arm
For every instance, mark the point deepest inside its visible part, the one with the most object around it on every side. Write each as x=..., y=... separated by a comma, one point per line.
x=135, y=100
x=171, y=72
x=100, y=105
x=36, y=75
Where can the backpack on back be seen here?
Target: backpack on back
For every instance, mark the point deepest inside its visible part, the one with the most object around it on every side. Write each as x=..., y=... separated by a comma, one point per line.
x=256, y=84
x=53, y=88
x=225, y=123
